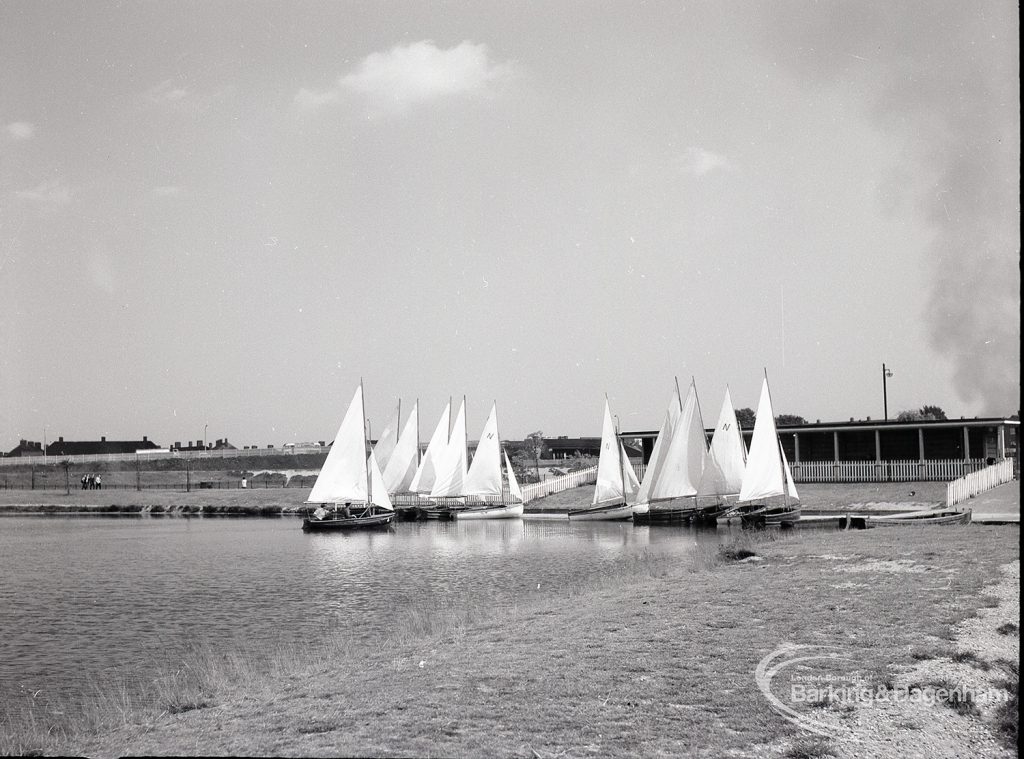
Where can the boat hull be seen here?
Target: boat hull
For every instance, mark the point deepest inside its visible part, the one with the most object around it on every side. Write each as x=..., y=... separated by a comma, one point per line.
x=618, y=512
x=509, y=511
x=769, y=516
x=946, y=518
x=311, y=524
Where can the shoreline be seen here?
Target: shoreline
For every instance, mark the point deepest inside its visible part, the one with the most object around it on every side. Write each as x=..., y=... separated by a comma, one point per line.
x=657, y=659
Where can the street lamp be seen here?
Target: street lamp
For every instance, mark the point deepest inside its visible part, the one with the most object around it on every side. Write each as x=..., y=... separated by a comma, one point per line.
x=204, y=435
x=886, y=373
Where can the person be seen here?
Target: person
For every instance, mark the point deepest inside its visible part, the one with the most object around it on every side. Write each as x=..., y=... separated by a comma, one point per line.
x=85, y=480
x=245, y=483
x=347, y=511
x=99, y=483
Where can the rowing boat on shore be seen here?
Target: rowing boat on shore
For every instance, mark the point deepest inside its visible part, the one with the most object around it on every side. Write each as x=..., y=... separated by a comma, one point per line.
x=917, y=518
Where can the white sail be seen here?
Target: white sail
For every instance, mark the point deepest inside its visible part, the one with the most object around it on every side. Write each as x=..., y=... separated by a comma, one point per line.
x=632, y=484
x=484, y=475
x=609, y=466
x=388, y=439
x=514, y=491
x=343, y=475
x=790, y=485
x=451, y=465
x=404, y=461
x=728, y=457
x=426, y=473
x=687, y=453
x=660, y=449
x=766, y=472
x=378, y=491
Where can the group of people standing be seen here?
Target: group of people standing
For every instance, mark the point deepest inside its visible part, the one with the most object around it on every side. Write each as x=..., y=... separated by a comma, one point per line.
x=91, y=482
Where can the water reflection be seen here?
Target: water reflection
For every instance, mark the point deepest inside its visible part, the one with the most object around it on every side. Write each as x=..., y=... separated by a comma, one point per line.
x=85, y=598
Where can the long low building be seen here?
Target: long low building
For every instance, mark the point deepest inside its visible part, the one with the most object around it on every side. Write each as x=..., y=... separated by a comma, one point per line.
x=873, y=450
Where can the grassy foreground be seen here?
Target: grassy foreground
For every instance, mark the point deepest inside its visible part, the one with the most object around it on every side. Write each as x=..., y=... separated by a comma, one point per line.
x=655, y=660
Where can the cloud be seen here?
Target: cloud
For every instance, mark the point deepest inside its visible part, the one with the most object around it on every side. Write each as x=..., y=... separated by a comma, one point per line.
x=21, y=130
x=409, y=74
x=166, y=92
x=52, y=192
x=699, y=162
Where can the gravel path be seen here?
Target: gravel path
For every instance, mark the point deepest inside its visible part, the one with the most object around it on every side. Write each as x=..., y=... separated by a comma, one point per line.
x=907, y=729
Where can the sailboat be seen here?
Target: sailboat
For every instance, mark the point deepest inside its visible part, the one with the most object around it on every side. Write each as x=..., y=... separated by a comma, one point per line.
x=727, y=461
x=677, y=464
x=403, y=465
x=450, y=471
x=349, y=492
x=617, y=485
x=426, y=472
x=767, y=475
x=483, y=480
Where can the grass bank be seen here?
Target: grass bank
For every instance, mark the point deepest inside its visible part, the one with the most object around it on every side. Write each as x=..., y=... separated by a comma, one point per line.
x=656, y=659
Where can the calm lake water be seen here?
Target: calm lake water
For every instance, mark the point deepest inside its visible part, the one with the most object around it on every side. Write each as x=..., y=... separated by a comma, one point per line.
x=88, y=600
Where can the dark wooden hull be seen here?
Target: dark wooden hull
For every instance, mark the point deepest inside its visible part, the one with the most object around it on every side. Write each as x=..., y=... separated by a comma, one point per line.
x=310, y=524
x=772, y=516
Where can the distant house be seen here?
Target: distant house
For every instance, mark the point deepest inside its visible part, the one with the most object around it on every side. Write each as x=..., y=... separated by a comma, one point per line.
x=26, y=448
x=62, y=447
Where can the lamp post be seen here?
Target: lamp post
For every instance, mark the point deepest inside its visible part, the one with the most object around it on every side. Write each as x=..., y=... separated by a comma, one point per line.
x=886, y=373
x=204, y=435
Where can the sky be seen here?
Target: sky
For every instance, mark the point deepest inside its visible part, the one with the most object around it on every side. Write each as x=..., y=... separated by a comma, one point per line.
x=216, y=218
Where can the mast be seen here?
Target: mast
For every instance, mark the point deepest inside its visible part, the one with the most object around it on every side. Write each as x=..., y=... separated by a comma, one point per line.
x=417, y=432
x=618, y=451
x=778, y=443
x=703, y=434
x=679, y=396
x=366, y=442
x=501, y=450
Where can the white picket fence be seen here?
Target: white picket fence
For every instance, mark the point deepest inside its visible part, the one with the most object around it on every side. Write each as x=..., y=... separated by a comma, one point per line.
x=558, y=484
x=961, y=489
x=883, y=471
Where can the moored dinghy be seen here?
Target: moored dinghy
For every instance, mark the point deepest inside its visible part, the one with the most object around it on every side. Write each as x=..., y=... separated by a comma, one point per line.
x=669, y=490
x=484, y=481
x=349, y=492
x=616, y=489
x=451, y=471
x=767, y=476
x=727, y=461
x=403, y=465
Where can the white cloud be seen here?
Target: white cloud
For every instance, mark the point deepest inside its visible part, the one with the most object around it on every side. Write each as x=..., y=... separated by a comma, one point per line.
x=52, y=192
x=415, y=73
x=699, y=162
x=166, y=92
x=21, y=130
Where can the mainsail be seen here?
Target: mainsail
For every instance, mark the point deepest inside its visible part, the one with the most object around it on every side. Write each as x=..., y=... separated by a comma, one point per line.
x=484, y=475
x=727, y=460
x=426, y=473
x=683, y=465
x=404, y=461
x=451, y=465
x=609, y=464
x=660, y=449
x=343, y=476
x=767, y=471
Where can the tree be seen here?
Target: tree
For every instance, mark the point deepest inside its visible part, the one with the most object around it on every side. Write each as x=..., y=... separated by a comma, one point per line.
x=923, y=414
x=745, y=417
x=790, y=420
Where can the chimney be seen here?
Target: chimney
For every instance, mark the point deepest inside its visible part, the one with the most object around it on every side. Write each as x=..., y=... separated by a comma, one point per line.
x=145, y=439
x=103, y=438
x=60, y=440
